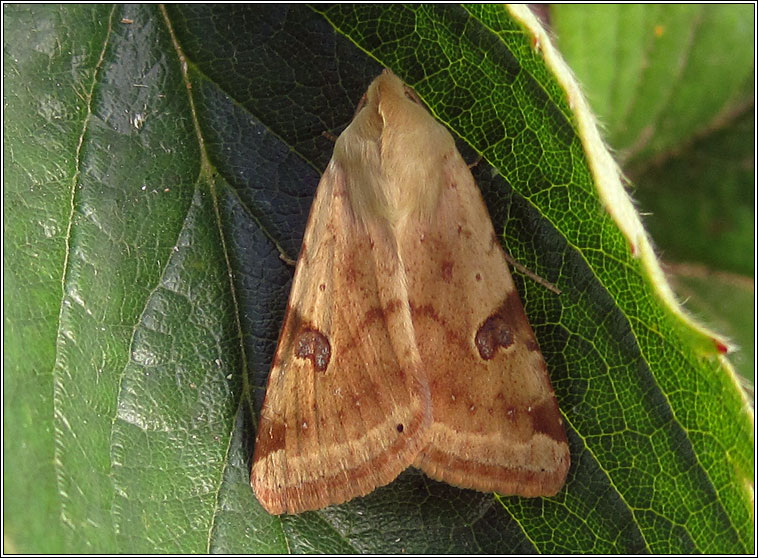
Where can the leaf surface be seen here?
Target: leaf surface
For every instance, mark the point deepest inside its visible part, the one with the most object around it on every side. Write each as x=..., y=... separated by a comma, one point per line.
x=161, y=159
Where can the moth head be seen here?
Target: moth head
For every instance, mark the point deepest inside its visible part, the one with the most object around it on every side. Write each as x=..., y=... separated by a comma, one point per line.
x=385, y=151
x=388, y=91
x=392, y=107
x=410, y=94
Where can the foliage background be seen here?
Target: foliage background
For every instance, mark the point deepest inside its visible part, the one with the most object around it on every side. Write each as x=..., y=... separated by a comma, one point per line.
x=678, y=108
x=158, y=161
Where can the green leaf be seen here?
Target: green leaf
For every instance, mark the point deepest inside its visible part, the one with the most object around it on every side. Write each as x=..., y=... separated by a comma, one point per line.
x=715, y=174
x=720, y=299
x=159, y=160
x=676, y=93
x=675, y=88
x=664, y=74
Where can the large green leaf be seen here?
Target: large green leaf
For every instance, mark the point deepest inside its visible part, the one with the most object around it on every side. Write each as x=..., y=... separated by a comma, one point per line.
x=675, y=88
x=659, y=74
x=159, y=161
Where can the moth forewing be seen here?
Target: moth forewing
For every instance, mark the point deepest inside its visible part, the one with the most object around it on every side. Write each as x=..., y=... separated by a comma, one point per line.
x=347, y=404
x=496, y=424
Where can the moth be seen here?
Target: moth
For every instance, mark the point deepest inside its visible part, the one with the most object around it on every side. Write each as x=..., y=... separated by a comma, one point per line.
x=404, y=342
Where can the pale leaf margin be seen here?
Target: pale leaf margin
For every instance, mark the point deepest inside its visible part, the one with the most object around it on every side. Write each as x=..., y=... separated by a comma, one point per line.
x=608, y=182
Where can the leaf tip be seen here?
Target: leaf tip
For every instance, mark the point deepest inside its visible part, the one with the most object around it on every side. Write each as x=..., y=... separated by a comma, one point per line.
x=721, y=347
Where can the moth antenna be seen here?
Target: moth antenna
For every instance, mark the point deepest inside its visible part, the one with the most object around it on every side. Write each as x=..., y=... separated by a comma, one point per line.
x=329, y=136
x=286, y=259
x=533, y=276
x=475, y=163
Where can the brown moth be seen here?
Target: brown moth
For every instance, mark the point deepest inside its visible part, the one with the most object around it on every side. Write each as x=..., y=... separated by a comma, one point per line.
x=404, y=341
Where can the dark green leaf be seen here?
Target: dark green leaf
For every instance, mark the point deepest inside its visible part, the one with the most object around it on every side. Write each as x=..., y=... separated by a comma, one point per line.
x=158, y=162
x=674, y=85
